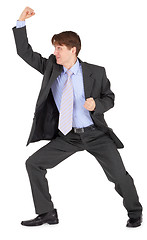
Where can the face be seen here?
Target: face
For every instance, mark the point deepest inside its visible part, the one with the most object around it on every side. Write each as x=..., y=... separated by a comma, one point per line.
x=64, y=56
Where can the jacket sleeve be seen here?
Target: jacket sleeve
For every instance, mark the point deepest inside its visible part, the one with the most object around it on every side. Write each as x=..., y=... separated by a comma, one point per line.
x=25, y=51
x=106, y=99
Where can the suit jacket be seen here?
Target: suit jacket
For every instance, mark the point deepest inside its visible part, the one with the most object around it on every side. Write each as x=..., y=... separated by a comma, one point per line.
x=96, y=85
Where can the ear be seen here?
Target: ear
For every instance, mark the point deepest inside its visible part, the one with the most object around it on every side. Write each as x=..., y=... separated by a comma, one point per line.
x=74, y=50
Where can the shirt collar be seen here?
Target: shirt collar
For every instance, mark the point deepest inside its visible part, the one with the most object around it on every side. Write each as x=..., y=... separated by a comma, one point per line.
x=74, y=69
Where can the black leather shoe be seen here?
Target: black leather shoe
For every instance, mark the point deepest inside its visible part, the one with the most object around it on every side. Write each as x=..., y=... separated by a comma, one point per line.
x=50, y=218
x=134, y=222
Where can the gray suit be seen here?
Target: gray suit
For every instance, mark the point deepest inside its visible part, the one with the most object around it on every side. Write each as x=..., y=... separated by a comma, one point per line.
x=96, y=85
x=99, y=140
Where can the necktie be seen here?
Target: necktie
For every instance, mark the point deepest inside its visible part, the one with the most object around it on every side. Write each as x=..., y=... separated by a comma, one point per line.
x=66, y=107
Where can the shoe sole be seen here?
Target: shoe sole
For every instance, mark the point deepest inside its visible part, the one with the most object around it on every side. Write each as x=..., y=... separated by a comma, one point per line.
x=50, y=222
x=133, y=226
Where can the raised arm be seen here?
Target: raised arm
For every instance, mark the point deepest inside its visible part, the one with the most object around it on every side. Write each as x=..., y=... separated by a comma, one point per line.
x=24, y=49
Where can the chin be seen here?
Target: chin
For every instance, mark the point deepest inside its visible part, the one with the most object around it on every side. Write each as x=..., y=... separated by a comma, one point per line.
x=59, y=61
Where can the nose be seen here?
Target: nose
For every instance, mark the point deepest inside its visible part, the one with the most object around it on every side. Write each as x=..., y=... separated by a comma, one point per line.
x=55, y=52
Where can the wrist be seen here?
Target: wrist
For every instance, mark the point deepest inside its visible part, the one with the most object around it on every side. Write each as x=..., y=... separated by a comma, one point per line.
x=21, y=19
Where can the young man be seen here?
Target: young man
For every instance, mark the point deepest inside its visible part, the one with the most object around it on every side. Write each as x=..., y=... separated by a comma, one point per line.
x=70, y=112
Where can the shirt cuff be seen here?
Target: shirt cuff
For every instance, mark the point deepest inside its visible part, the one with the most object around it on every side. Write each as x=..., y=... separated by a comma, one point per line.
x=20, y=24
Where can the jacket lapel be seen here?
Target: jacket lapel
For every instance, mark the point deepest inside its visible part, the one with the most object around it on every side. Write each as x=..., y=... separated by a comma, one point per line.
x=57, y=69
x=87, y=79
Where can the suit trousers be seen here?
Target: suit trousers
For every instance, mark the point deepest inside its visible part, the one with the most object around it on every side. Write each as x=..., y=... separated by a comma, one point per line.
x=101, y=146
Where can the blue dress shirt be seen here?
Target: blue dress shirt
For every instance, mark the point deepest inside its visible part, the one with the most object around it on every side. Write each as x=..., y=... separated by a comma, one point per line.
x=81, y=116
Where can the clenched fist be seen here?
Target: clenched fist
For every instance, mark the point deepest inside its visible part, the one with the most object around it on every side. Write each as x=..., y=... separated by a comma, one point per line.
x=27, y=13
x=90, y=104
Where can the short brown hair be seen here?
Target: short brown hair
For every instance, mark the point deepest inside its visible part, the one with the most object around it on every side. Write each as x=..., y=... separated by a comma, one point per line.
x=69, y=39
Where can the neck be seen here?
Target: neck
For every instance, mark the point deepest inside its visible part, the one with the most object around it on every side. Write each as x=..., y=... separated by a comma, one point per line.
x=70, y=64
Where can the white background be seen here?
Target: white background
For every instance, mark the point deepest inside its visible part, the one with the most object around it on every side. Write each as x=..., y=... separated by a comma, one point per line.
x=113, y=34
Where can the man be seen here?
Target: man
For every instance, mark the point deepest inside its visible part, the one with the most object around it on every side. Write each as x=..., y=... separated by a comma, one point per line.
x=70, y=112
